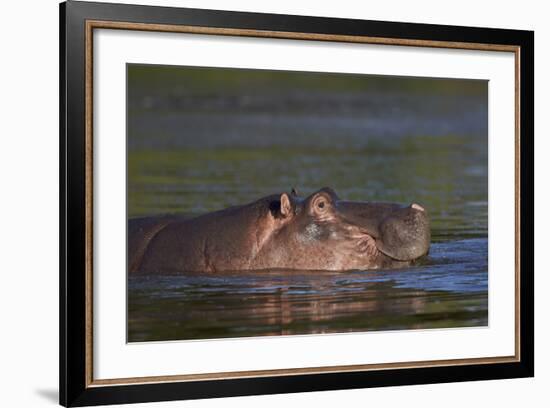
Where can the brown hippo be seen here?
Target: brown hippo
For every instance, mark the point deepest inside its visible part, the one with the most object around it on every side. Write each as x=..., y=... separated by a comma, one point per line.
x=319, y=232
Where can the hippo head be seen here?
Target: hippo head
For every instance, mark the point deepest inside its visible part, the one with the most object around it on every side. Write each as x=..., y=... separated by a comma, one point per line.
x=342, y=234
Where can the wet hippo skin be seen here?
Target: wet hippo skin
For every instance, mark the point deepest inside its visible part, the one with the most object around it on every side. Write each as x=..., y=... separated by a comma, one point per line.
x=318, y=232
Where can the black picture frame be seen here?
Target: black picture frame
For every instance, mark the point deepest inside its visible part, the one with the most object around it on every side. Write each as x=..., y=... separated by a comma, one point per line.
x=75, y=387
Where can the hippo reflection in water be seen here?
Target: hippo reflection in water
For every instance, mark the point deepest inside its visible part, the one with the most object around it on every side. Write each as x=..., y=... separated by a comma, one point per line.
x=319, y=232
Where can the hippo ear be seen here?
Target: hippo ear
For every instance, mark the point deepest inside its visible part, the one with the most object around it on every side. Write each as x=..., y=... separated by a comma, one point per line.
x=286, y=205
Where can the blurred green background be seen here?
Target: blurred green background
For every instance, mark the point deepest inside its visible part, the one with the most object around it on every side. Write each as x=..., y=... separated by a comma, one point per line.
x=201, y=139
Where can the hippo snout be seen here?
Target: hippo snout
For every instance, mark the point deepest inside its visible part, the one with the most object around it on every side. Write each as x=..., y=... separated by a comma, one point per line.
x=405, y=235
x=400, y=232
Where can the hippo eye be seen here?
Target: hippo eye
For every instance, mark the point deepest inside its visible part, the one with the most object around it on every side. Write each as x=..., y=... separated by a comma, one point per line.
x=320, y=205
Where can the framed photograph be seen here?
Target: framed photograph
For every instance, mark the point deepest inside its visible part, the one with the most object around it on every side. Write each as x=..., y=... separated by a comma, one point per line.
x=256, y=203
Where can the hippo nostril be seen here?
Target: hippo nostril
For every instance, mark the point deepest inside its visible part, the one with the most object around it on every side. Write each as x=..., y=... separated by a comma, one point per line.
x=417, y=207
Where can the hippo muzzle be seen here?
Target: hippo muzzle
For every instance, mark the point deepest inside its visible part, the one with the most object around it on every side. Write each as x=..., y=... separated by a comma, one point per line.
x=400, y=232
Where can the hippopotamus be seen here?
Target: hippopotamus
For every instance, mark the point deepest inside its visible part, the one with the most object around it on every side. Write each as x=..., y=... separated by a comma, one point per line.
x=281, y=231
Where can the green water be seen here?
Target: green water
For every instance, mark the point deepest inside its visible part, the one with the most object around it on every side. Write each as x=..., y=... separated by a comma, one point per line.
x=204, y=139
